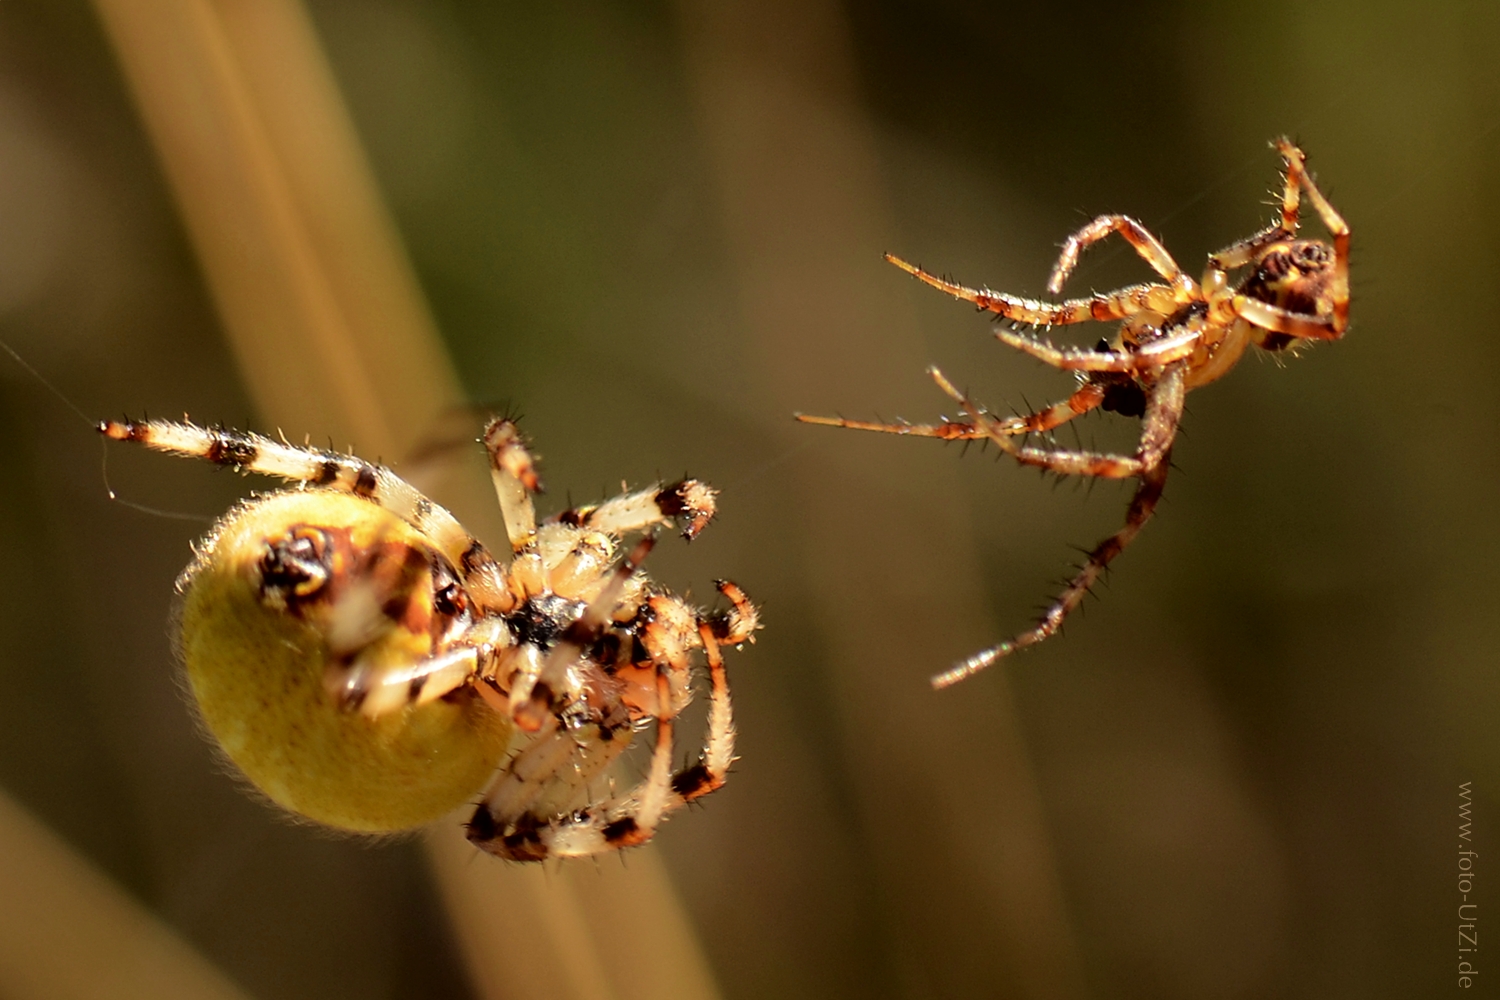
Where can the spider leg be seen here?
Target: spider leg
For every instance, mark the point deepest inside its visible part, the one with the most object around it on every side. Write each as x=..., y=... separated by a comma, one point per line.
x=1147, y=494
x=1279, y=320
x=1113, y=305
x=1150, y=463
x=1244, y=251
x=374, y=691
x=513, y=472
x=249, y=452
x=1145, y=244
x=509, y=821
x=387, y=645
x=1158, y=428
x=625, y=820
x=736, y=625
x=688, y=502
x=1153, y=354
x=948, y=430
x=1337, y=228
x=1087, y=397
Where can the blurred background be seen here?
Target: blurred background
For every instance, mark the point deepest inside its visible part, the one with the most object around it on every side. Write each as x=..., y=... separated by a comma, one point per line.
x=656, y=230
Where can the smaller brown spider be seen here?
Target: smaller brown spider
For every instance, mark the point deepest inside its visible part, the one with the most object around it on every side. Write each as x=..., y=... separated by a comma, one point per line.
x=1173, y=337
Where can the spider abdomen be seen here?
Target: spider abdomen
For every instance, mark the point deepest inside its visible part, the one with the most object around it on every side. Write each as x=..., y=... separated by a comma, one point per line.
x=291, y=587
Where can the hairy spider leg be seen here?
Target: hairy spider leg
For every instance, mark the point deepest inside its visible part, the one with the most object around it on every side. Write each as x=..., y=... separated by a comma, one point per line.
x=712, y=769
x=948, y=430
x=1145, y=244
x=245, y=451
x=1127, y=301
x=738, y=624
x=628, y=819
x=1085, y=398
x=1242, y=252
x=1158, y=429
x=1152, y=354
x=1263, y=314
x=1151, y=463
x=1339, y=229
x=1142, y=504
x=376, y=690
x=513, y=473
x=689, y=502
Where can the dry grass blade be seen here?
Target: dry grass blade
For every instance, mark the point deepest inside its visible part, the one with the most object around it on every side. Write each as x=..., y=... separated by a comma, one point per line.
x=67, y=930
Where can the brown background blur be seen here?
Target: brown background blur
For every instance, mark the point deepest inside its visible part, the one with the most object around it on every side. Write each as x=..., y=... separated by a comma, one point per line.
x=656, y=231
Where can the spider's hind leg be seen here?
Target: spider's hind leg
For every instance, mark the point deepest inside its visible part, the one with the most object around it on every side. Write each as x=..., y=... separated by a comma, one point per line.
x=1149, y=463
x=1147, y=494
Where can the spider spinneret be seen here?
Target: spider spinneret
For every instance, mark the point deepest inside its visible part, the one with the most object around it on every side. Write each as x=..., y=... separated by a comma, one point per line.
x=1174, y=336
x=366, y=663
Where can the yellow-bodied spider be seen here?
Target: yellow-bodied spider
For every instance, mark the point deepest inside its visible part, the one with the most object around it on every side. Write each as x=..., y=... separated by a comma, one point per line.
x=366, y=663
x=1174, y=336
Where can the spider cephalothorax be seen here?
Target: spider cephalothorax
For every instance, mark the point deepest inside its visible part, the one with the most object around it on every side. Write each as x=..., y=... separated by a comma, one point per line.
x=1174, y=335
x=366, y=663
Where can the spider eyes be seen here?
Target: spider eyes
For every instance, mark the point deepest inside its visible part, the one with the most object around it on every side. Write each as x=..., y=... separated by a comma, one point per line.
x=1295, y=260
x=1311, y=255
x=1275, y=264
x=296, y=565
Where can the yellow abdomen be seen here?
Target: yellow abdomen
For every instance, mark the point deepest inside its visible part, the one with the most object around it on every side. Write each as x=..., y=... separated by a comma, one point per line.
x=257, y=673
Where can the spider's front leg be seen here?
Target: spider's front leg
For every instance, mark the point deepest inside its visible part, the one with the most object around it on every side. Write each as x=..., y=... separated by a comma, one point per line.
x=1325, y=283
x=317, y=468
x=1285, y=227
x=690, y=503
